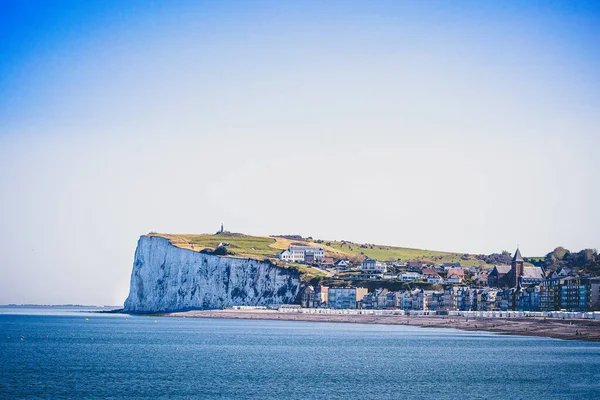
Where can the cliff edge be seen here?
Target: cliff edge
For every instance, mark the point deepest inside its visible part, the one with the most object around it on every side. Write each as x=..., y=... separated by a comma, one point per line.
x=167, y=278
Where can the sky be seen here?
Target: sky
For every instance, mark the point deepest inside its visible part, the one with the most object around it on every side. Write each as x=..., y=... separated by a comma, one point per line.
x=462, y=126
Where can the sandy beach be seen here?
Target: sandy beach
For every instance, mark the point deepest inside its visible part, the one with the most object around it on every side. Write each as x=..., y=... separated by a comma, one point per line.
x=573, y=329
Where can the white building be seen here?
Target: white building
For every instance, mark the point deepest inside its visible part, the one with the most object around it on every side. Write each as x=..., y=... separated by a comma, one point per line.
x=342, y=265
x=410, y=276
x=285, y=255
x=453, y=279
x=298, y=253
x=435, y=279
x=370, y=265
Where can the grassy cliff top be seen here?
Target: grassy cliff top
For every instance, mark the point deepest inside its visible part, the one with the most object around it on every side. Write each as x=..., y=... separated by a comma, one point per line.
x=262, y=247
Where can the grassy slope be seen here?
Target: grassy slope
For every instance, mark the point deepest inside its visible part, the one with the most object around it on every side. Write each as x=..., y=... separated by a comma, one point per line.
x=259, y=247
x=390, y=253
x=241, y=246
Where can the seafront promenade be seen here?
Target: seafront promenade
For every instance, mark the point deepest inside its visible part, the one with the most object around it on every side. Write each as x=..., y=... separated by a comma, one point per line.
x=471, y=314
x=506, y=322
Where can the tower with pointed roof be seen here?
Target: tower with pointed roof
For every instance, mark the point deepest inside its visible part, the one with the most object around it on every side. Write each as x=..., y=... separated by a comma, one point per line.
x=517, y=268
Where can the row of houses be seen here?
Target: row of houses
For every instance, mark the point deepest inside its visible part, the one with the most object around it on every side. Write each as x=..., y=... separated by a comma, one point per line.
x=332, y=297
x=315, y=254
x=569, y=294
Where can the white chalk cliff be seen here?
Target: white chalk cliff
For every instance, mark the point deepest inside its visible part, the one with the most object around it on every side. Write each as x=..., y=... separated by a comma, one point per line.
x=169, y=278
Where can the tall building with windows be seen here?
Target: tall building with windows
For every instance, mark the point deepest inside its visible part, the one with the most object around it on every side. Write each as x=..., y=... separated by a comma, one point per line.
x=516, y=268
x=570, y=293
x=345, y=297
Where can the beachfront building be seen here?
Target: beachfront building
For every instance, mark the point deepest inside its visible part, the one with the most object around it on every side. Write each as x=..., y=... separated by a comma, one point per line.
x=406, y=299
x=529, y=298
x=484, y=299
x=570, y=294
x=315, y=297
x=504, y=299
x=379, y=299
x=345, y=298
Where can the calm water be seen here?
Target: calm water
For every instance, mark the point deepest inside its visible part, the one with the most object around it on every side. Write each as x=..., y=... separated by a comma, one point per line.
x=114, y=356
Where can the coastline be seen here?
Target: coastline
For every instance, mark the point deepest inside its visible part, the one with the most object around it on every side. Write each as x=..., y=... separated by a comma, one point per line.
x=570, y=329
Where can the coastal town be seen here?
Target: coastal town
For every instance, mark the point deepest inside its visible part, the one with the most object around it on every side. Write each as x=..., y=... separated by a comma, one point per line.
x=441, y=288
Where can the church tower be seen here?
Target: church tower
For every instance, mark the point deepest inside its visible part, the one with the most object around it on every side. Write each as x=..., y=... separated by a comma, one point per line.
x=517, y=267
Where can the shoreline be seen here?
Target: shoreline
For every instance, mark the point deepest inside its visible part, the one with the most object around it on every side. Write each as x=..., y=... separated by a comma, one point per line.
x=571, y=329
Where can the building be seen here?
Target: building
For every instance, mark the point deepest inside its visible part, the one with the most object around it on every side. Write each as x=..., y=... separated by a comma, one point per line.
x=436, y=301
x=376, y=300
x=483, y=299
x=326, y=261
x=393, y=300
x=529, y=298
x=563, y=272
x=497, y=276
x=515, y=275
x=446, y=266
x=516, y=268
x=299, y=254
x=464, y=299
x=458, y=272
x=342, y=265
x=429, y=273
x=285, y=255
x=315, y=297
x=531, y=276
x=504, y=299
x=453, y=280
x=410, y=276
x=421, y=299
x=570, y=294
x=435, y=279
x=370, y=265
x=344, y=298
x=481, y=277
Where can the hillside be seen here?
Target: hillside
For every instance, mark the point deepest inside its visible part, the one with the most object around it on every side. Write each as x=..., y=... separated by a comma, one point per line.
x=262, y=247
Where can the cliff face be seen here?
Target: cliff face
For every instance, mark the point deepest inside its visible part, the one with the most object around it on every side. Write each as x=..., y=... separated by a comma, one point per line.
x=168, y=278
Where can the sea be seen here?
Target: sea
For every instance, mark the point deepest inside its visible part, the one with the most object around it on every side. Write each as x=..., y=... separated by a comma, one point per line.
x=52, y=353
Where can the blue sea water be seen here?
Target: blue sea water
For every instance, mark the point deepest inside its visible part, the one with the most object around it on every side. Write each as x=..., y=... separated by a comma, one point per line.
x=59, y=354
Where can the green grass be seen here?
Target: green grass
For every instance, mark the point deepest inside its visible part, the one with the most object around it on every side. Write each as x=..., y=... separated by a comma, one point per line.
x=261, y=248
x=306, y=271
x=389, y=253
x=240, y=246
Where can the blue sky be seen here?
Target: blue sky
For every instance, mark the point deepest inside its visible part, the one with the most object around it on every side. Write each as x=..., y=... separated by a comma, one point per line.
x=460, y=126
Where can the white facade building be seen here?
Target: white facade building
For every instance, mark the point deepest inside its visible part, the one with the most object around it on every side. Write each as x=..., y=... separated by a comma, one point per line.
x=285, y=255
x=298, y=253
x=370, y=265
x=410, y=276
x=342, y=265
